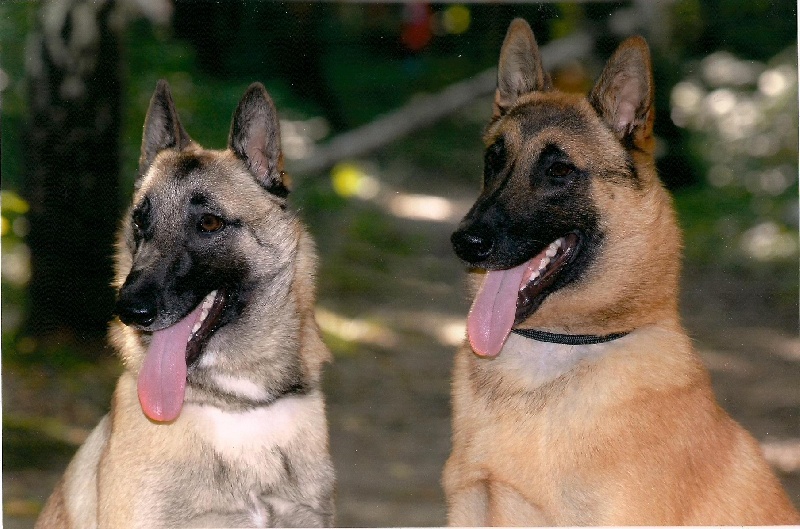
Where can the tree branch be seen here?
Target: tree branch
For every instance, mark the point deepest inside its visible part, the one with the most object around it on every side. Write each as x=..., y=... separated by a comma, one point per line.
x=427, y=110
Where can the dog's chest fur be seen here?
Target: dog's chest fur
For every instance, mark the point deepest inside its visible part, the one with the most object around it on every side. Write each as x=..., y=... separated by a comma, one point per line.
x=535, y=363
x=238, y=437
x=248, y=451
x=238, y=464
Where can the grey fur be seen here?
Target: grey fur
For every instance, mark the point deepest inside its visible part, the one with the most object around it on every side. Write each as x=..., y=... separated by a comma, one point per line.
x=250, y=446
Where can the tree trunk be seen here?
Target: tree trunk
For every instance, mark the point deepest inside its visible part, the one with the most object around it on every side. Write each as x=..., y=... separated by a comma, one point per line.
x=72, y=167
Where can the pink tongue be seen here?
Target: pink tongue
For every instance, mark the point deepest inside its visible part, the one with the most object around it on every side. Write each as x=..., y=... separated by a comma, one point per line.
x=162, y=378
x=493, y=311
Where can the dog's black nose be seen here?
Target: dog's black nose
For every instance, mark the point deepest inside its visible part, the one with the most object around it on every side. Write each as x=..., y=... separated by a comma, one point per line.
x=136, y=304
x=472, y=246
x=136, y=311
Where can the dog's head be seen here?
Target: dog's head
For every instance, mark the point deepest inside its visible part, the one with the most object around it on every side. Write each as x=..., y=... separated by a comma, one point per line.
x=207, y=246
x=569, y=194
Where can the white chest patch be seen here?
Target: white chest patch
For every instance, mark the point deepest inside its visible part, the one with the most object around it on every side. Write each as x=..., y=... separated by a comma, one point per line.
x=233, y=434
x=538, y=363
x=240, y=387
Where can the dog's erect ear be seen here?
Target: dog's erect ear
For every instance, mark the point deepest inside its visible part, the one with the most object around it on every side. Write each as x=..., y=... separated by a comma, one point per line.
x=520, y=69
x=162, y=128
x=256, y=139
x=623, y=95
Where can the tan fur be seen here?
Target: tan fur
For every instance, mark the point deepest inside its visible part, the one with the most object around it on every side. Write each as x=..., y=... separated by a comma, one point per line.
x=216, y=464
x=626, y=432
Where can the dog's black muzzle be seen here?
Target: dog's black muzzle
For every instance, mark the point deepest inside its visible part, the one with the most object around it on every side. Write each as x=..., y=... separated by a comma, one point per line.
x=497, y=245
x=473, y=244
x=488, y=237
x=137, y=303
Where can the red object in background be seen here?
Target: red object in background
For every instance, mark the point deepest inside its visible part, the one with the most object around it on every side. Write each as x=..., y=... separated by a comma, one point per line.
x=416, y=32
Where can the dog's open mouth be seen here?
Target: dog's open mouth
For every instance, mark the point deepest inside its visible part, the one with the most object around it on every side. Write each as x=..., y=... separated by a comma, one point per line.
x=541, y=273
x=162, y=376
x=508, y=297
x=210, y=311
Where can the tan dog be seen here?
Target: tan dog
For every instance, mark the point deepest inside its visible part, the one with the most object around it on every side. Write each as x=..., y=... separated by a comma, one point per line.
x=218, y=419
x=577, y=399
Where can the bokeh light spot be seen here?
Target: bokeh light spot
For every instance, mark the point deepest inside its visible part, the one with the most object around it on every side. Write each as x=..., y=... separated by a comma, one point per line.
x=456, y=19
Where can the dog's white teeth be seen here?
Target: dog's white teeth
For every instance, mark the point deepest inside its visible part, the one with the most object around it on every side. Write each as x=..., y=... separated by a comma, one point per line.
x=543, y=263
x=552, y=251
x=534, y=277
x=209, y=300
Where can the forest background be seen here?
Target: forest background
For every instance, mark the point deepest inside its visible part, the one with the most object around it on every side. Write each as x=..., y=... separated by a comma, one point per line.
x=382, y=108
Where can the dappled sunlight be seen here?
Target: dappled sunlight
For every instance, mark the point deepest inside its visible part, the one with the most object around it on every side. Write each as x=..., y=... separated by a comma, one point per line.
x=421, y=207
x=686, y=99
x=15, y=262
x=355, y=330
x=13, y=203
x=720, y=102
x=725, y=362
x=775, y=82
x=783, y=455
x=445, y=329
x=16, y=265
x=452, y=333
x=745, y=115
x=768, y=242
x=453, y=20
x=739, y=100
x=359, y=180
x=298, y=138
x=354, y=180
x=722, y=68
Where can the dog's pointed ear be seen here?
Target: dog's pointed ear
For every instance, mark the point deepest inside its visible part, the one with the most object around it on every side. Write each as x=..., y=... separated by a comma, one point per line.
x=520, y=70
x=623, y=95
x=162, y=128
x=255, y=138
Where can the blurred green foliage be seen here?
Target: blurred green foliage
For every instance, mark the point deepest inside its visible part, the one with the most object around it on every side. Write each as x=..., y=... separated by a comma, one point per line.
x=16, y=19
x=360, y=69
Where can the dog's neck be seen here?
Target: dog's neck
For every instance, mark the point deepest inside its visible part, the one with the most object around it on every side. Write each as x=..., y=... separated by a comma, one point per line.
x=538, y=362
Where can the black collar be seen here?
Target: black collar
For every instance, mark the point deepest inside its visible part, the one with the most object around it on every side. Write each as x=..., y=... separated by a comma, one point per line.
x=567, y=339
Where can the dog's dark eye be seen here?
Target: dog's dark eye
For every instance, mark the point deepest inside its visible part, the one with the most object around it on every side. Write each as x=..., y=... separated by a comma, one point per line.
x=560, y=170
x=210, y=223
x=141, y=217
x=137, y=221
x=494, y=160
